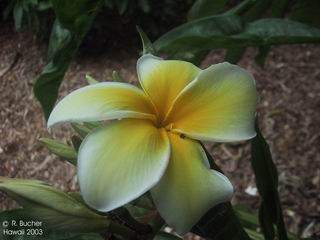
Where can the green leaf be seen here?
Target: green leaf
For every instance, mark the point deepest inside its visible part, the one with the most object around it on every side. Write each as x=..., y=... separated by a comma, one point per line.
x=267, y=183
x=204, y=8
x=18, y=15
x=225, y=31
x=247, y=218
x=146, y=43
x=220, y=223
x=60, y=149
x=81, y=129
x=74, y=19
x=234, y=54
x=44, y=231
x=52, y=206
x=203, y=34
x=274, y=31
x=117, y=77
x=91, y=80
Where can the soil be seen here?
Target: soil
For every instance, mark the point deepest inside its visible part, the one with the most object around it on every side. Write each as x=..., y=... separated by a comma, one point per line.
x=289, y=88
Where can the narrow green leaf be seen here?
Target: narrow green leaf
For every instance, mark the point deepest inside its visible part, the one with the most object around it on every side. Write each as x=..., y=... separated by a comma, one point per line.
x=204, y=8
x=60, y=149
x=247, y=218
x=18, y=15
x=146, y=43
x=267, y=183
x=81, y=129
x=91, y=80
x=117, y=77
x=92, y=125
x=52, y=206
x=254, y=235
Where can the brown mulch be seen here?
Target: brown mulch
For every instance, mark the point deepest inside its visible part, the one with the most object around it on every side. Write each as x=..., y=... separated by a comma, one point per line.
x=289, y=88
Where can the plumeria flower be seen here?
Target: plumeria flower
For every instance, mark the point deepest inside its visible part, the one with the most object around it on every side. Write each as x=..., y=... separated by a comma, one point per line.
x=152, y=144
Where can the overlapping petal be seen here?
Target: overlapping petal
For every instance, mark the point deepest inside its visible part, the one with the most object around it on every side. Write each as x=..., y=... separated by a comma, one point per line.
x=102, y=101
x=163, y=80
x=120, y=162
x=218, y=106
x=189, y=188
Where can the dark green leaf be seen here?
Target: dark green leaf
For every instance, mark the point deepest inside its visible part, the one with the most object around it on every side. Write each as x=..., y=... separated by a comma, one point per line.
x=62, y=47
x=203, y=34
x=60, y=149
x=18, y=15
x=146, y=43
x=76, y=16
x=274, y=31
x=267, y=183
x=228, y=31
x=220, y=223
x=74, y=19
x=255, y=12
x=204, y=8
